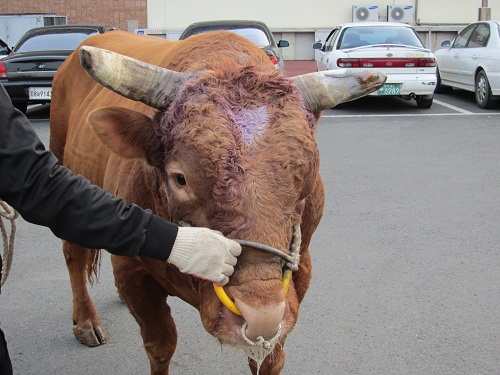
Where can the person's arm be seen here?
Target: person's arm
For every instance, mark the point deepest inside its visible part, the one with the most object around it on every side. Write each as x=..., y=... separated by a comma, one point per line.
x=47, y=193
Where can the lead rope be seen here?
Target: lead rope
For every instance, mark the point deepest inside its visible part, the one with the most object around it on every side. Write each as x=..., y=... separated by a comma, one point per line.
x=10, y=214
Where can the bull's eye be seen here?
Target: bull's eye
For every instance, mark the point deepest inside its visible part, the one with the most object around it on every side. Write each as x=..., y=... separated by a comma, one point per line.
x=181, y=180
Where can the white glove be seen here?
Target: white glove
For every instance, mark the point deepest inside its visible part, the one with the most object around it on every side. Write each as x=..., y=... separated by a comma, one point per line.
x=205, y=254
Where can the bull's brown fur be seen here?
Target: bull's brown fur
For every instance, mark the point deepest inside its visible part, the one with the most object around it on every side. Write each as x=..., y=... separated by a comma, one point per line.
x=254, y=189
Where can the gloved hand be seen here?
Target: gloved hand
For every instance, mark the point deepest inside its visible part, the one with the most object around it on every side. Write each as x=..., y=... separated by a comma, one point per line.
x=205, y=254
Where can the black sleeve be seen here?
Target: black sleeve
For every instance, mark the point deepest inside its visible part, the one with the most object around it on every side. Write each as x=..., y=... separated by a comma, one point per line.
x=47, y=193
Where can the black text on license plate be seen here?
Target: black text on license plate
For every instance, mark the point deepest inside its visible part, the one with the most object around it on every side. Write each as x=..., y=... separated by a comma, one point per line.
x=390, y=89
x=40, y=93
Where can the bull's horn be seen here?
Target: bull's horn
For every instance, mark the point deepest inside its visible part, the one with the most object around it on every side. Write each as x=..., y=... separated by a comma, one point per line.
x=131, y=78
x=325, y=90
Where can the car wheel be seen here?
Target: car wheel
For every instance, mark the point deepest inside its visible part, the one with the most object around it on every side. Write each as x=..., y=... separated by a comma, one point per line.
x=483, y=91
x=423, y=101
x=23, y=107
x=440, y=89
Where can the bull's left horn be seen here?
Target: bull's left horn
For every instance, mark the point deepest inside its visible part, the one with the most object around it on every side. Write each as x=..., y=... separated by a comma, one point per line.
x=131, y=78
x=325, y=90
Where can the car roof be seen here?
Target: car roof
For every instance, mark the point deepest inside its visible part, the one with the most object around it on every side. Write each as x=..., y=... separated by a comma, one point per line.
x=497, y=22
x=375, y=24
x=195, y=27
x=74, y=27
x=245, y=23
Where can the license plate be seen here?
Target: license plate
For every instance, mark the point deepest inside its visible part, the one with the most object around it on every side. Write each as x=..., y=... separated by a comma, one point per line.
x=390, y=89
x=40, y=93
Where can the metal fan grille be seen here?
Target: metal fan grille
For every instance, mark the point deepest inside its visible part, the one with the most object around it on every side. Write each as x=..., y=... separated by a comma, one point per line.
x=397, y=13
x=362, y=13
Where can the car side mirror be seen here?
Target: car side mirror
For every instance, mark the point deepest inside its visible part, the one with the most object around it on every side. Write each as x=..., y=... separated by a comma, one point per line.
x=317, y=45
x=445, y=43
x=283, y=43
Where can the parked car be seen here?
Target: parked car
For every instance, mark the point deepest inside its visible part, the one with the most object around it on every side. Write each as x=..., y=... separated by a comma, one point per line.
x=4, y=49
x=255, y=31
x=28, y=71
x=472, y=62
x=390, y=47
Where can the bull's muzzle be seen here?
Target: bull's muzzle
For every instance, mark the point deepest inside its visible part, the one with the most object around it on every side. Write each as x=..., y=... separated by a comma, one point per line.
x=292, y=264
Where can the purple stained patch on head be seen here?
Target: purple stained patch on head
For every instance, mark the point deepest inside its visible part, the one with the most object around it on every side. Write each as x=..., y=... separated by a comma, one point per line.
x=252, y=123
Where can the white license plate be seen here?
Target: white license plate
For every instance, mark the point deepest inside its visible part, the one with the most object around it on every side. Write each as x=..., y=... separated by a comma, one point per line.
x=40, y=93
x=390, y=89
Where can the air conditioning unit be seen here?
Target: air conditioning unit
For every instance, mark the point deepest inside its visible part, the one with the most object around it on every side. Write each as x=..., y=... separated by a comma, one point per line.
x=365, y=13
x=401, y=13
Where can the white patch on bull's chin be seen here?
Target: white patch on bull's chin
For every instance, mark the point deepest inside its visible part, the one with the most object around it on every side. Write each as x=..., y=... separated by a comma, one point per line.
x=252, y=123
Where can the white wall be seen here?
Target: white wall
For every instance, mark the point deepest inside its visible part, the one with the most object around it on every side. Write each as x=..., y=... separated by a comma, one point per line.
x=311, y=14
x=277, y=14
x=453, y=11
x=301, y=22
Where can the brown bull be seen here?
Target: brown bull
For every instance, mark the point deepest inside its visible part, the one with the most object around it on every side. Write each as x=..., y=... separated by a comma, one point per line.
x=215, y=138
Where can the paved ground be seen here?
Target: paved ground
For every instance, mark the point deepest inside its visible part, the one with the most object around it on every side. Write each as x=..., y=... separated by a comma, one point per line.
x=296, y=67
x=406, y=261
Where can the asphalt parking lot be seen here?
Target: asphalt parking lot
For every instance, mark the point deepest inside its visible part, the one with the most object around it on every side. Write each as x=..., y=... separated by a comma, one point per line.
x=406, y=260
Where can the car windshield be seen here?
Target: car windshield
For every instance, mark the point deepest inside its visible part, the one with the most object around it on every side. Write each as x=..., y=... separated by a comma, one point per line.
x=256, y=36
x=367, y=36
x=63, y=40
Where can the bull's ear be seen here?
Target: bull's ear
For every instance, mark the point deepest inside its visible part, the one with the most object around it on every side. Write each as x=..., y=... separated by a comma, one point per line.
x=128, y=133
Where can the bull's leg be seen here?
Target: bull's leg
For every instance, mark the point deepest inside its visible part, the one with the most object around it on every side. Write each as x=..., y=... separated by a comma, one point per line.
x=87, y=326
x=272, y=365
x=147, y=301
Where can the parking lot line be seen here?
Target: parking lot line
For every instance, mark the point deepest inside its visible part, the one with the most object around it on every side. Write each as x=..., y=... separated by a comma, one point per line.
x=455, y=108
x=466, y=113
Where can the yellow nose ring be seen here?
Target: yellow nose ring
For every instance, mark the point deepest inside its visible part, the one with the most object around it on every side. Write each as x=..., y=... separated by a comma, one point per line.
x=292, y=264
x=228, y=302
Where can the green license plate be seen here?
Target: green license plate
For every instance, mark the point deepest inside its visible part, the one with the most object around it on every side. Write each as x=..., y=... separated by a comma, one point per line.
x=390, y=89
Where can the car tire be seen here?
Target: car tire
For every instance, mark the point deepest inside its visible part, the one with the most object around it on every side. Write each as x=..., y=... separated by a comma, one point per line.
x=440, y=88
x=423, y=101
x=482, y=91
x=23, y=107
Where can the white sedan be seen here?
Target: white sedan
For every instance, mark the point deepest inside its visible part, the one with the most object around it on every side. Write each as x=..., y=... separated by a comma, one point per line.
x=472, y=62
x=390, y=47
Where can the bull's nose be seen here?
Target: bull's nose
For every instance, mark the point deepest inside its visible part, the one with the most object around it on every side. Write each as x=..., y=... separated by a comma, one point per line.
x=263, y=320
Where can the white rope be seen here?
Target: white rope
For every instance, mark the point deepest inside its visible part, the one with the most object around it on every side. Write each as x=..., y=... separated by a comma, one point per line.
x=10, y=214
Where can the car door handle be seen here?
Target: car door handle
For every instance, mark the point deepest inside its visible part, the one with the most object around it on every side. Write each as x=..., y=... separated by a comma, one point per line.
x=455, y=55
x=474, y=57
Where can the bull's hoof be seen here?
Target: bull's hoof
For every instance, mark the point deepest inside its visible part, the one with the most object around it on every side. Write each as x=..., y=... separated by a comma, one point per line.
x=91, y=337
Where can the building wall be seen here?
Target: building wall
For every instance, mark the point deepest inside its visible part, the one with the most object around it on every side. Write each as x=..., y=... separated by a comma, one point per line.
x=298, y=21
x=450, y=11
x=280, y=15
x=283, y=15
x=108, y=12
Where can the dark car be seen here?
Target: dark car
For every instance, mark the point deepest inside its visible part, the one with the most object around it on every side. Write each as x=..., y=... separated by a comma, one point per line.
x=27, y=72
x=255, y=31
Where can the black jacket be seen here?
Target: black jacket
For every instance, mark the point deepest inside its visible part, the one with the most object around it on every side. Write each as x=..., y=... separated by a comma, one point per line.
x=47, y=193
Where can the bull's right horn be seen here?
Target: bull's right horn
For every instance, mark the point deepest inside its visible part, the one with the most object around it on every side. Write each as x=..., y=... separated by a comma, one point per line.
x=131, y=78
x=324, y=90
